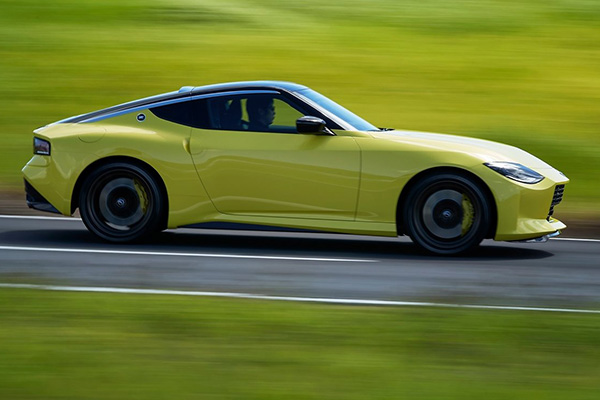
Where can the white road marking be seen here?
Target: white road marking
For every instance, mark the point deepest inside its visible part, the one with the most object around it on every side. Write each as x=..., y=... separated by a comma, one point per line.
x=576, y=239
x=34, y=217
x=161, y=253
x=286, y=298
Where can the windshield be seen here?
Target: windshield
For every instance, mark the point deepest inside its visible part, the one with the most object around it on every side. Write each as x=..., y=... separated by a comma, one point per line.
x=334, y=108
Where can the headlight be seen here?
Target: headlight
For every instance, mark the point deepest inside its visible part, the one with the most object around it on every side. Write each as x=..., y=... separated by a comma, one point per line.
x=41, y=146
x=515, y=171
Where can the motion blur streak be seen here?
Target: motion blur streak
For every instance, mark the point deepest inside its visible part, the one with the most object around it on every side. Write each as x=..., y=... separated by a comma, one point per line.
x=363, y=302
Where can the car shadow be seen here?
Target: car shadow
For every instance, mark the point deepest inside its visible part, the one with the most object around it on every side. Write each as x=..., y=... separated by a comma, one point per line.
x=337, y=246
x=268, y=243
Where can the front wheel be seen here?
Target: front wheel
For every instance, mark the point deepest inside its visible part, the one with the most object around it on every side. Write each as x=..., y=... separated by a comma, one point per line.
x=447, y=214
x=121, y=202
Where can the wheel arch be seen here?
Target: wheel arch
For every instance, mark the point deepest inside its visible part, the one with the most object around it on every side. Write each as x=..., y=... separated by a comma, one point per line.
x=440, y=170
x=123, y=159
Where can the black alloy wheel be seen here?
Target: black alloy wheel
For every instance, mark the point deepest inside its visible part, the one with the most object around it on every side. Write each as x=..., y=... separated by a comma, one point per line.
x=121, y=202
x=447, y=214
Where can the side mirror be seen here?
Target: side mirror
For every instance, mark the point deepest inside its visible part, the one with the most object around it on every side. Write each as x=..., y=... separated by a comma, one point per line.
x=308, y=124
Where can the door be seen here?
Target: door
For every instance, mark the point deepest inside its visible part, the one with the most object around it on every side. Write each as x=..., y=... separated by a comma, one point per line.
x=251, y=161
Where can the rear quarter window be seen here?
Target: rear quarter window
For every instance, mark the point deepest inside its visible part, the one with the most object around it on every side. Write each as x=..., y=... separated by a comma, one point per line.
x=188, y=113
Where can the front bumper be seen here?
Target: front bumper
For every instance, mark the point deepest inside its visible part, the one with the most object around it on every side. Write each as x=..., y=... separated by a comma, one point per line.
x=541, y=239
x=525, y=211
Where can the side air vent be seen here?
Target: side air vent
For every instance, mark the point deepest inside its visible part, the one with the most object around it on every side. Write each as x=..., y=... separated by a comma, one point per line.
x=558, y=195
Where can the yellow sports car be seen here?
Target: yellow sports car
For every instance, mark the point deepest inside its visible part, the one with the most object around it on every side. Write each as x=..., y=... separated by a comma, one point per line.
x=280, y=155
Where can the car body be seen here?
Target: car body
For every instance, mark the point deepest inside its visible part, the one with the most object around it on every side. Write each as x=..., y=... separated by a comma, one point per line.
x=195, y=157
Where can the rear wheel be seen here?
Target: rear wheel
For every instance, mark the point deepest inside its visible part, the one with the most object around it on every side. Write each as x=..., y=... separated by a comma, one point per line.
x=121, y=202
x=447, y=214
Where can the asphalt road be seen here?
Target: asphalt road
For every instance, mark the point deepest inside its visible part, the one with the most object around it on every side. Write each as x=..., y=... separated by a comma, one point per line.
x=559, y=273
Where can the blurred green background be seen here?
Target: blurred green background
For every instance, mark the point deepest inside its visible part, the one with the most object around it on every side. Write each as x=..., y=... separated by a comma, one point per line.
x=523, y=72
x=60, y=345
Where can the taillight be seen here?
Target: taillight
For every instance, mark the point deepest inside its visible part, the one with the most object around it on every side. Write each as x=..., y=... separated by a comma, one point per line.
x=41, y=146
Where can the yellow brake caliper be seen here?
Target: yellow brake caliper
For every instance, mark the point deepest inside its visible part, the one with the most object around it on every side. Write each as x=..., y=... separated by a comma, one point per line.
x=142, y=195
x=468, y=214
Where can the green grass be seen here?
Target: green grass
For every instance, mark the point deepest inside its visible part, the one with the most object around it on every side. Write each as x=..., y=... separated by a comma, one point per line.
x=523, y=72
x=58, y=345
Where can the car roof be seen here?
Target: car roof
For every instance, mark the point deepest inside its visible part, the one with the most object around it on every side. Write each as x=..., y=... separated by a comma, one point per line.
x=187, y=91
x=231, y=86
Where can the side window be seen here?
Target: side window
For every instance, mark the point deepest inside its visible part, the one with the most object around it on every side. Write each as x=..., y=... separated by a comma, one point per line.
x=199, y=114
x=225, y=113
x=256, y=113
x=285, y=116
x=178, y=113
x=189, y=113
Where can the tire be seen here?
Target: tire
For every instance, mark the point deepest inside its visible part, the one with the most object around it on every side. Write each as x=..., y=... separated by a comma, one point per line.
x=121, y=202
x=447, y=214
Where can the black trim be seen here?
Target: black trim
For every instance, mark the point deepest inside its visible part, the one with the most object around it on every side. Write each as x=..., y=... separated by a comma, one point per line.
x=559, y=191
x=125, y=106
x=234, y=226
x=36, y=201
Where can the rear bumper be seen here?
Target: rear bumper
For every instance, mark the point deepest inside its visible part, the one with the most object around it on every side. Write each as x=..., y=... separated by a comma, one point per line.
x=48, y=185
x=36, y=201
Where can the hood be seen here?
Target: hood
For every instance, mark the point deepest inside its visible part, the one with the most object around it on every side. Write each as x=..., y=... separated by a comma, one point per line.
x=485, y=150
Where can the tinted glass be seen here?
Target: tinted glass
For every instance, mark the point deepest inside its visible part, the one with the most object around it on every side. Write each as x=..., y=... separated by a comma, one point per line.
x=178, y=113
x=255, y=112
x=189, y=113
x=285, y=115
x=199, y=114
